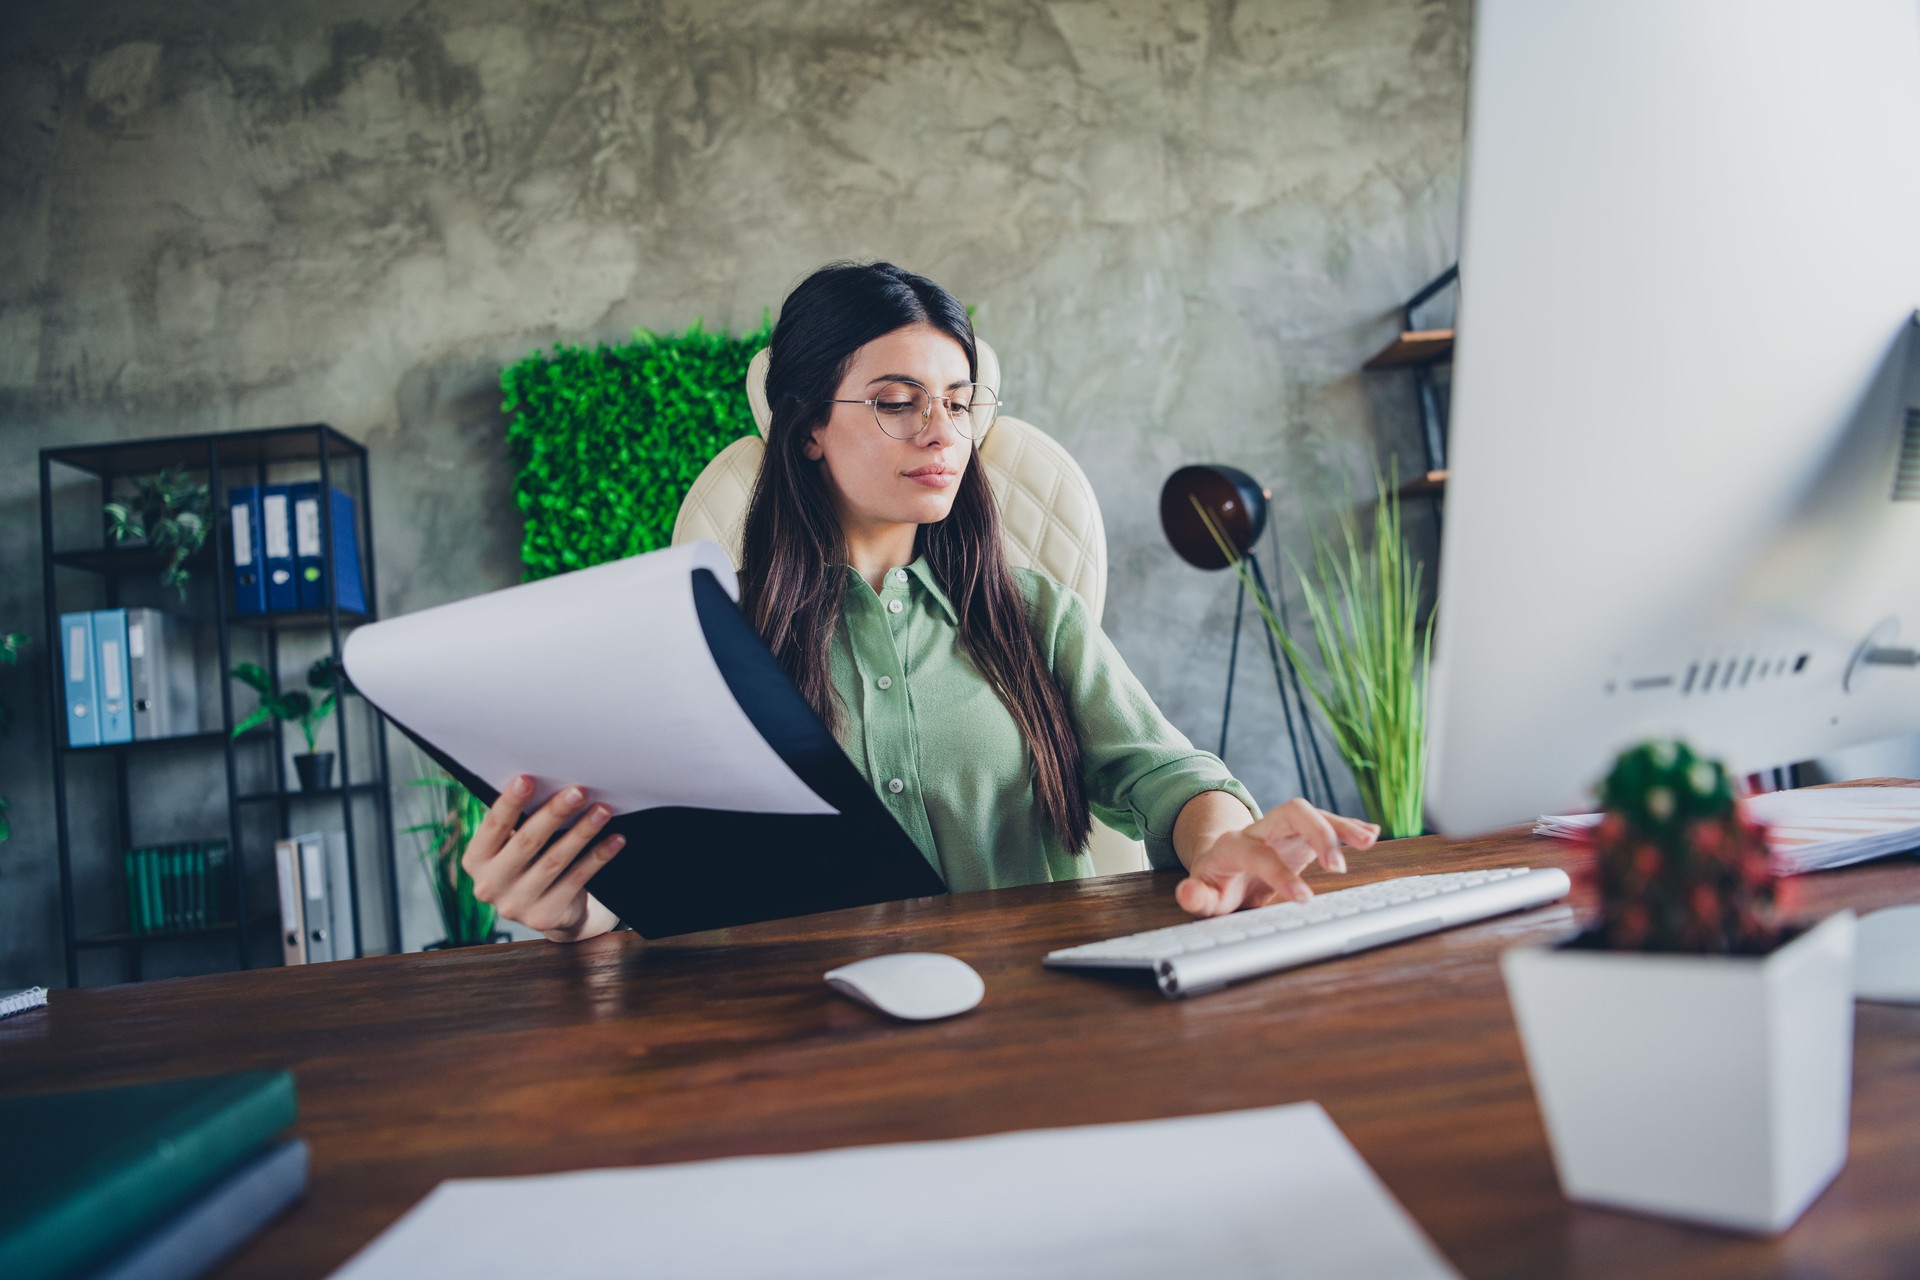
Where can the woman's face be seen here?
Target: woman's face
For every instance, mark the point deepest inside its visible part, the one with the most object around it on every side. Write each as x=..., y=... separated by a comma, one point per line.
x=876, y=479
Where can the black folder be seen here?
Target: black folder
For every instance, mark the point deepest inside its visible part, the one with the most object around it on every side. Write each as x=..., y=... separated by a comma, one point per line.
x=687, y=869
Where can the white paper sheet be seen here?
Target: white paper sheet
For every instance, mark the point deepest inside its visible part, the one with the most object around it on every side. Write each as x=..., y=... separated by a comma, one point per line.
x=600, y=678
x=1810, y=828
x=1269, y=1193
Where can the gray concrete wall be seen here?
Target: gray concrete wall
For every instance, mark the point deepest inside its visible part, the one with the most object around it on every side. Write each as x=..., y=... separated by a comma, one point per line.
x=1184, y=225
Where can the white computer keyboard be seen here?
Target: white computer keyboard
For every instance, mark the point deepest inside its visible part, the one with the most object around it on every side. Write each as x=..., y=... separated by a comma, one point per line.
x=1203, y=955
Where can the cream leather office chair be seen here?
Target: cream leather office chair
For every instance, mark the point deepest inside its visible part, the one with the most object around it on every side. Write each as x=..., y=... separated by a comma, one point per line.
x=1048, y=513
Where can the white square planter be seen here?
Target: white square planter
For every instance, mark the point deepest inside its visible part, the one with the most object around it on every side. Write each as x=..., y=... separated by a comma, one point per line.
x=1712, y=1088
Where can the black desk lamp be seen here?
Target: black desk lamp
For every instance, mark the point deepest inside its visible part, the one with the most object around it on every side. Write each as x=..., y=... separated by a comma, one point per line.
x=1237, y=504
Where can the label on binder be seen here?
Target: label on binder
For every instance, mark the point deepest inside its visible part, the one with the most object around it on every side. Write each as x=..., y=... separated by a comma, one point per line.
x=242, y=534
x=289, y=902
x=313, y=872
x=136, y=639
x=273, y=515
x=110, y=669
x=306, y=520
x=76, y=656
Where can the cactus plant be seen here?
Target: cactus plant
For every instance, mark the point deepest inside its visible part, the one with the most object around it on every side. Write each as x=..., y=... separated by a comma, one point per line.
x=1677, y=865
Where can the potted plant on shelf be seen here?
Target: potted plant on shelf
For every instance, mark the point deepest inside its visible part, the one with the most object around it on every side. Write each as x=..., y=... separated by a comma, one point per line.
x=1364, y=603
x=1692, y=1056
x=305, y=707
x=170, y=513
x=451, y=815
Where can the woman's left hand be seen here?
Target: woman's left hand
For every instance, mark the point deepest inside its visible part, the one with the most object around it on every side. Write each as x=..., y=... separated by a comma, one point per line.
x=1260, y=864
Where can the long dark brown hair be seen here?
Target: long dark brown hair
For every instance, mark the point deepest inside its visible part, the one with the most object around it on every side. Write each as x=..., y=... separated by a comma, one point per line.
x=794, y=552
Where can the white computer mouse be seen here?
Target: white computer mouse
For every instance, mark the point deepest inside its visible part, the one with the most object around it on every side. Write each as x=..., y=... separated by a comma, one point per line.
x=920, y=985
x=1886, y=955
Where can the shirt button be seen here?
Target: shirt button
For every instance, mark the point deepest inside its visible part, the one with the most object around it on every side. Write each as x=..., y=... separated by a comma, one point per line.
x=899, y=575
x=894, y=606
x=896, y=786
x=885, y=682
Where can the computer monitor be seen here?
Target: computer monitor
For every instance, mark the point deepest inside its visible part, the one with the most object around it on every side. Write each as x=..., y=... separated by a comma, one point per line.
x=1676, y=500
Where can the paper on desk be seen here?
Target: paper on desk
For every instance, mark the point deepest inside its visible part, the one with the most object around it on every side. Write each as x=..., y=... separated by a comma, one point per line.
x=601, y=678
x=1274, y=1192
x=1811, y=828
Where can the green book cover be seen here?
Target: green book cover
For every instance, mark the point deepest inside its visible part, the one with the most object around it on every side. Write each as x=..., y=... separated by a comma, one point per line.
x=199, y=881
x=154, y=912
x=157, y=882
x=217, y=884
x=87, y=1173
x=167, y=921
x=127, y=859
x=150, y=880
x=192, y=887
x=143, y=867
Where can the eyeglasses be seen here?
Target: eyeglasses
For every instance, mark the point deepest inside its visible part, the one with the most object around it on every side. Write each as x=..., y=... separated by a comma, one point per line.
x=904, y=409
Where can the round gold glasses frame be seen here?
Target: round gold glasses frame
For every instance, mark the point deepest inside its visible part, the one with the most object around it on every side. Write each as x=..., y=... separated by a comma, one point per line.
x=905, y=409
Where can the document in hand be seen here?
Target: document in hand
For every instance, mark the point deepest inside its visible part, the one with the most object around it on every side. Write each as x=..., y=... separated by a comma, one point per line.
x=642, y=682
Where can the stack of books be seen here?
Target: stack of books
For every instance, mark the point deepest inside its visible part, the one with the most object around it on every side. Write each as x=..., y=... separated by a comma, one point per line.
x=175, y=887
x=152, y=1180
x=1812, y=828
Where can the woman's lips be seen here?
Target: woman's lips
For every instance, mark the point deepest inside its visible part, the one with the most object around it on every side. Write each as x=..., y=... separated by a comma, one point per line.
x=933, y=479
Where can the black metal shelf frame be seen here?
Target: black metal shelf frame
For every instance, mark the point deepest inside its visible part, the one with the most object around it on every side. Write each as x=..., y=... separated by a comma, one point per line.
x=216, y=454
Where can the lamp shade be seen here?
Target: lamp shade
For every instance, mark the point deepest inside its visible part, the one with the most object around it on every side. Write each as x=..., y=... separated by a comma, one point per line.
x=1235, y=500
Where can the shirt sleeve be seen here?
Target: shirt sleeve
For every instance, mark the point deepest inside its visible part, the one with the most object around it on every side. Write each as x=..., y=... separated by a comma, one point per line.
x=1139, y=770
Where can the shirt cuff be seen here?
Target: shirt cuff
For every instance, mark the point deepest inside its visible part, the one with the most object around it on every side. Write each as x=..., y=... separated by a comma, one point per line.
x=1157, y=799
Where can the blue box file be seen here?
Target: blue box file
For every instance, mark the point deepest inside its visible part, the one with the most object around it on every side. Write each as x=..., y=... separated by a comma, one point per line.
x=312, y=567
x=249, y=574
x=76, y=659
x=276, y=540
x=113, y=681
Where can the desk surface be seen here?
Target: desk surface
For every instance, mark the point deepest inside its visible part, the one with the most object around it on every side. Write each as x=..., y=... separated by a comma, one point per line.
x=535, y=1058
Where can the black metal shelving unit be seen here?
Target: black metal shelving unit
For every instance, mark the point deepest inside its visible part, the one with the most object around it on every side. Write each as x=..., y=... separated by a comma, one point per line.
x=1422, y=351
x=308, y=452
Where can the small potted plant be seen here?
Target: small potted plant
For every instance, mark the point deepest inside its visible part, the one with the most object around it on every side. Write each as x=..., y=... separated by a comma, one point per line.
x=452, y=814
x=170, y=513
x=1692, y=1056
x=299, y=706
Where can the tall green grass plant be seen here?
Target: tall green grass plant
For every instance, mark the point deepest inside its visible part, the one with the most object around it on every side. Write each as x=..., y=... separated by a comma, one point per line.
x=1364, y=603
x=450, y=814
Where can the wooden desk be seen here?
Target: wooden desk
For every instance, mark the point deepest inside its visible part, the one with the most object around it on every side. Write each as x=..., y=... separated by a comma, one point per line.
x=535, y=1058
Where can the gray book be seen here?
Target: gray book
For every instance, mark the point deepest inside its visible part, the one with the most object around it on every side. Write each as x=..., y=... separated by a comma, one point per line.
x=160, y=671
x=236, y=1210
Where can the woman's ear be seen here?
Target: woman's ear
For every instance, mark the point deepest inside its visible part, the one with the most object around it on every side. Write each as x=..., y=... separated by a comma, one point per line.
x=812, y=447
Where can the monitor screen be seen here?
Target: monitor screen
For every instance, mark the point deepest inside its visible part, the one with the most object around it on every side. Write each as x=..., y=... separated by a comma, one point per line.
x=1684, y=379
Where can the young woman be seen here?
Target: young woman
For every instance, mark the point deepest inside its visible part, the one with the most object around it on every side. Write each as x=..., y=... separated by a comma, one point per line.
x=983, y=703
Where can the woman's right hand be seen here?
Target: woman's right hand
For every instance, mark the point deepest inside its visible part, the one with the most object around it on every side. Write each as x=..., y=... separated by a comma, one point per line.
x=539, y=884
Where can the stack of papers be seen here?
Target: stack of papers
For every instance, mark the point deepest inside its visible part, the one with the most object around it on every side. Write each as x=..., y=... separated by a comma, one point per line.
x=1813, y=828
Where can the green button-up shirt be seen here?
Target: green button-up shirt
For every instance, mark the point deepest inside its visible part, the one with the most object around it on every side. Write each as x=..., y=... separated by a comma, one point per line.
x=949, y=760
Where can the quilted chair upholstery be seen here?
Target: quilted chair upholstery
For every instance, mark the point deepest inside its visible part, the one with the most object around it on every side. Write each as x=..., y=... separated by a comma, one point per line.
x=1048, y=514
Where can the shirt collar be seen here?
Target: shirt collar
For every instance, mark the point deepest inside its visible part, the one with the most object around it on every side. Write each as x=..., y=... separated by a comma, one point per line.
x=929, y=581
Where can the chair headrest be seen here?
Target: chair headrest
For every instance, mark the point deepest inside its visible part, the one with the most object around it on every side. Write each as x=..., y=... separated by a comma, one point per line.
x=988, y=362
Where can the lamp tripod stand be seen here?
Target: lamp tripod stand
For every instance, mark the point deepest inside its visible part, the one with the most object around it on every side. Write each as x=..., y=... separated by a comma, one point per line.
x=1237, y=504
